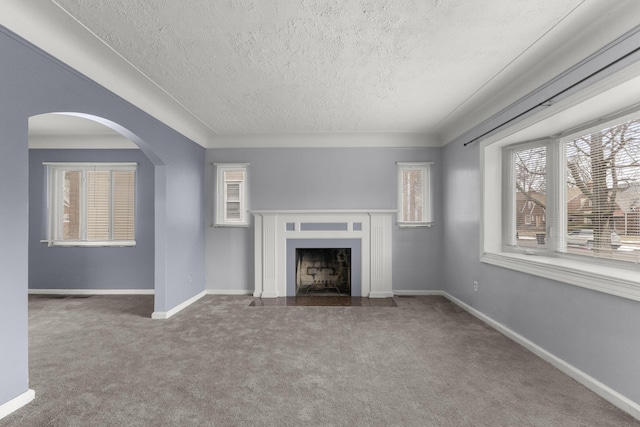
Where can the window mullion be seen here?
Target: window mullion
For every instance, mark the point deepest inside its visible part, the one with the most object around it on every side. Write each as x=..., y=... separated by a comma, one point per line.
x=557, y=203
x=509, y=197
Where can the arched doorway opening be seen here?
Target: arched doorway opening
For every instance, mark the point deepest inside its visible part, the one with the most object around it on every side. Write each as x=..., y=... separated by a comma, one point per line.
x=78, y=137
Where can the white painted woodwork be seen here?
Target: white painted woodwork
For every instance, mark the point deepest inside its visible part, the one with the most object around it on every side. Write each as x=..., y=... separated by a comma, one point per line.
x=271, y=237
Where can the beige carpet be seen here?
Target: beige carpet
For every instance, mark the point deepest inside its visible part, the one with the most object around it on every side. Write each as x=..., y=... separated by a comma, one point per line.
x=101, y=361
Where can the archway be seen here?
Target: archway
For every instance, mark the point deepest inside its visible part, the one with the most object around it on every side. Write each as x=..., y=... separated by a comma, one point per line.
x=155, y=250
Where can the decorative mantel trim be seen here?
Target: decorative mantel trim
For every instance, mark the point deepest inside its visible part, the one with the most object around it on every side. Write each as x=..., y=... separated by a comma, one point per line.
x=373, y=227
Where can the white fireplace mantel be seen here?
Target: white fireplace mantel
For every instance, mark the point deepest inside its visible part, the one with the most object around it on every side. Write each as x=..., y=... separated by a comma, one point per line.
x=372, y=227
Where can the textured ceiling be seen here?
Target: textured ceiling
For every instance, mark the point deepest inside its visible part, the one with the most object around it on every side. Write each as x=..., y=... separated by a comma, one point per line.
x=306, y=66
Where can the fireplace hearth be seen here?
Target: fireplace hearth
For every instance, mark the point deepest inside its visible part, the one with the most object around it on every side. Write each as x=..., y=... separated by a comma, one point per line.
x=323, y=271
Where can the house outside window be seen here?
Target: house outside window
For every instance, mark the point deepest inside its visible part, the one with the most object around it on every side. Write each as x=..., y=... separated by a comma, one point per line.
x=91, y=204
x=231, y=195
x=414, y=196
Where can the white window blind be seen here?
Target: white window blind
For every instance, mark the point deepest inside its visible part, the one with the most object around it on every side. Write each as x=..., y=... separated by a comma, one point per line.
x=231, y=197
x=123, y=208
x=234, y=182
x=98, y=205
x=91, y=204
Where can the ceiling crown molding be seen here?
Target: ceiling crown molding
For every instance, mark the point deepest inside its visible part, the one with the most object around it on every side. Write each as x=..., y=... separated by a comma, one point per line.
x=51, y=29
x=326, y=140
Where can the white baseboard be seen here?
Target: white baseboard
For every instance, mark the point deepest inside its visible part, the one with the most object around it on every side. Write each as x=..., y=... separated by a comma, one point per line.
x=229, y=292
x=91, y=291
x=383, y=294
x=17, y=403
x=412, y=293
x=176, y=309
x=266, y=295
x=602, y=390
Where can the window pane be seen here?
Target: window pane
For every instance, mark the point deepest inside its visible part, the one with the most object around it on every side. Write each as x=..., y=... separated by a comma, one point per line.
x=98, y=195
x=233, y=211
x=234, y=175
x=603, y=193
x=530, y=168
x=412, y=203
x=232, y=204
x=123, y=205
x=71, y=220
x=233, y=192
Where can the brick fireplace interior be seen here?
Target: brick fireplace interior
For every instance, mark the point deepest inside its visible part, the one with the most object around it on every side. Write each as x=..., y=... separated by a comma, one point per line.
x=323, y=271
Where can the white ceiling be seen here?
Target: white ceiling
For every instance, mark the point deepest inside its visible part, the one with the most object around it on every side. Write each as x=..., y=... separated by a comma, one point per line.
x=240, y=68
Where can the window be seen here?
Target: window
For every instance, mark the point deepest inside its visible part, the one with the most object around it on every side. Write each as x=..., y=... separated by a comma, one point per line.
x=414, y=204
x=91, y=204
x=591, y=181
x=231, y=196
x=581, y=189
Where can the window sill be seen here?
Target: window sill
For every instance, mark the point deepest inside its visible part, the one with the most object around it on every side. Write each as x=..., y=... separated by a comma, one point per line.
x=231, y=225
x=414, y=224
x=612, y=280
x=96, y=244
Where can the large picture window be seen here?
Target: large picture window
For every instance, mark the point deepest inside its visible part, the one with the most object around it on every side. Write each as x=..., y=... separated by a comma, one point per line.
x=566, y=207
x=587, y=184
x=91, y=204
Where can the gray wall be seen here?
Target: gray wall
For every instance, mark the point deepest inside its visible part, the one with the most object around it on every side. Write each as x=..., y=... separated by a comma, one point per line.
x=88, y=267
x=595, y=332
x=324, y=178
x=33, y=83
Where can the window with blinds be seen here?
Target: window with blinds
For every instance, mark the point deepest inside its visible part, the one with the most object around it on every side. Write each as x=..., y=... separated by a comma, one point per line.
x=91, y=204
x=528, y=201
x=603, y=192
x=414, y=207
x=231, y=197
x=578, y=195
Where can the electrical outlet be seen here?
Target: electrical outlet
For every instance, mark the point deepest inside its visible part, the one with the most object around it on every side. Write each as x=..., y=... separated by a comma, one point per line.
x=190, y=278
x=475, y=286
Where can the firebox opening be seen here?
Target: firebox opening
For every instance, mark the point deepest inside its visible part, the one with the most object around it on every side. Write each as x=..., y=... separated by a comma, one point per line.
x=323, y=271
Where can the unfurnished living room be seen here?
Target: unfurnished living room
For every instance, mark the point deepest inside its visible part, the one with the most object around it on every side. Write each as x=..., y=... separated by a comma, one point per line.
x=320, y=213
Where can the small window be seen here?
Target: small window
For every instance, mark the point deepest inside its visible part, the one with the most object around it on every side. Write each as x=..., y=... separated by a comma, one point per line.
x=231, y=194
x=414, y=204
x=91, y=204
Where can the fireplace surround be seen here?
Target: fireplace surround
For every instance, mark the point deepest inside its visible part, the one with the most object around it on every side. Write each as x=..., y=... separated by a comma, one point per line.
x=367, y=233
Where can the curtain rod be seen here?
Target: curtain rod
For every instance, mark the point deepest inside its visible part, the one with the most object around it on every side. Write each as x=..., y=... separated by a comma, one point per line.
x=564, y=93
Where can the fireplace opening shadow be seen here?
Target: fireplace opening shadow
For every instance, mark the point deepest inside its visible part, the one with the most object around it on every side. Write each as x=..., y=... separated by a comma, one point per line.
x=323, y=272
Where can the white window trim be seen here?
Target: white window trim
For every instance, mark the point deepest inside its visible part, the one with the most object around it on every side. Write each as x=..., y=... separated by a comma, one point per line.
x=219, y=219
x=427, y=220
x=614, y=278
x=55, y=209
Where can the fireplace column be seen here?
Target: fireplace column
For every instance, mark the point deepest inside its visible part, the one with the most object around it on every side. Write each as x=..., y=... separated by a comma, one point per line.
x=381, y=256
